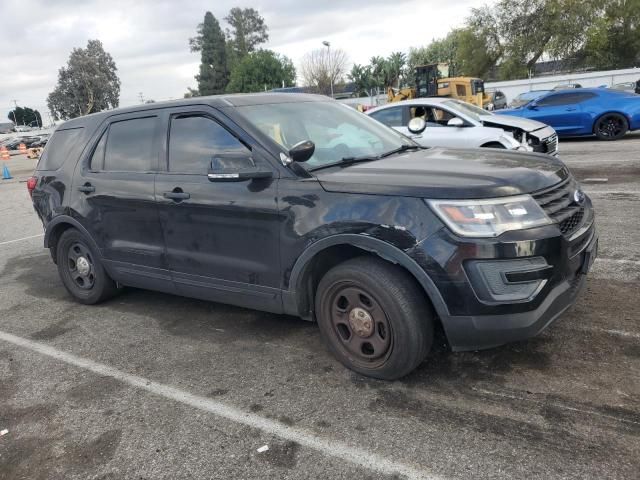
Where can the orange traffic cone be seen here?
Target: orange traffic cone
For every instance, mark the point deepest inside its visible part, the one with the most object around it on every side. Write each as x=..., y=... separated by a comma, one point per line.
x=4, y=153
x=23, y=148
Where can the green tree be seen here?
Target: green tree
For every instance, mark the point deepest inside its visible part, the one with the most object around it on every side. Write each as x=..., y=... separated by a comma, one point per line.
x=88, y=84
x=441, y=50
x=213, y=74
x=516, y=34
x=262, y=70
x=395, y=68
x=361, y=76
x=613, y=40
x=247, y=31
x=25, y=116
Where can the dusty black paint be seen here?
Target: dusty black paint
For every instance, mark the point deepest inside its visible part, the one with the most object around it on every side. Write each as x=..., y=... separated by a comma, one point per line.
x=240, y=243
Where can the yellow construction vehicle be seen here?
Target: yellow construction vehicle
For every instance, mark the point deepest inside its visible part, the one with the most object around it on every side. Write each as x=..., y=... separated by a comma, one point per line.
x=434, y=81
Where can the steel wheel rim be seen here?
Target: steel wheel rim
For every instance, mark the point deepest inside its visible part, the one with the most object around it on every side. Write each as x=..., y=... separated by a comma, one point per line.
x=611, y=126
x=80, y=266
x=359, y=324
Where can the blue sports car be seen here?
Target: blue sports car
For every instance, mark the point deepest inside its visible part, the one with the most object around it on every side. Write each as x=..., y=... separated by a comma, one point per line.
x=607, y=114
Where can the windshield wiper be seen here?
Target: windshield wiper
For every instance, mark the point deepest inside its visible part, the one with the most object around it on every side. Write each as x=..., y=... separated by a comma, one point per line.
x=402, y=148
x=347, y=161
x=366, y=158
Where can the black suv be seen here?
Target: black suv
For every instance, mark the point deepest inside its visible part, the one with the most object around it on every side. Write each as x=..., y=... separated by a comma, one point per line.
x=296, y=204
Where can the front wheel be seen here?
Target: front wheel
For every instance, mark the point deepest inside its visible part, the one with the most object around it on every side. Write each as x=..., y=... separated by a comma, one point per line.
x=611, y=126
x=374, y=318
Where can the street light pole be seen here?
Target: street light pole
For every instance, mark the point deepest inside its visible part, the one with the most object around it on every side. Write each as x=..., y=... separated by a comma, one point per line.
x=15, y=102
x=328, y=45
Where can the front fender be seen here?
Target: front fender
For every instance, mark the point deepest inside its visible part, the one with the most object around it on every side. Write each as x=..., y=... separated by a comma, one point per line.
x=294, y=301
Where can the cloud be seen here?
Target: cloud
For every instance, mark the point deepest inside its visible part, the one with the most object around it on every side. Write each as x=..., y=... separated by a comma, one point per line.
x=148, y=39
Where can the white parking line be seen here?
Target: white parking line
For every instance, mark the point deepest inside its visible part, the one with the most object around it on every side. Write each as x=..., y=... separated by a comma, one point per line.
x=327, y=446
x=21, y=239
x=620, y=261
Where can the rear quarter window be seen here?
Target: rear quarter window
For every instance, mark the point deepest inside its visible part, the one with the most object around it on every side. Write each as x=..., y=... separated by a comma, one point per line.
x=62, y=145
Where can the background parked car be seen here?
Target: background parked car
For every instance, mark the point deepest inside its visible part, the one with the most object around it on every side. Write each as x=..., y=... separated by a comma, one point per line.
x=527, y=97
x=456, y=124
x=567, y=86
x=603, y=112
x=629, y=87
x=497, y=100
x=7, y=127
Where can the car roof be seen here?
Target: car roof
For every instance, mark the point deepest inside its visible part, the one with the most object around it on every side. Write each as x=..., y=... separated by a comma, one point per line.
x=219, y=101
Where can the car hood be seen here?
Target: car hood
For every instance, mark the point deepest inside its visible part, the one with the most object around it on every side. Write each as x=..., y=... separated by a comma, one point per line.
x=525, y=124
x=447, y=174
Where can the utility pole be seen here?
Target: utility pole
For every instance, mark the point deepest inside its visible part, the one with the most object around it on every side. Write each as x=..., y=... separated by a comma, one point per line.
x=15, y=102
x=141, y=97
x=328, y=45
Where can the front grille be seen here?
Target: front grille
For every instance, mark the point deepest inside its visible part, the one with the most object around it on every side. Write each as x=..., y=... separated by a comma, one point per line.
x=570, y=224
x=552, y=144
x=558, y=204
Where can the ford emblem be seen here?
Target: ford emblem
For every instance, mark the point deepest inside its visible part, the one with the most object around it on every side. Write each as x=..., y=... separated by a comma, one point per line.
x=578, y=197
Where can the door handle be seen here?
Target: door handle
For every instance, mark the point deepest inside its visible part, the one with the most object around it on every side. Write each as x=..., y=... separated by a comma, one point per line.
x=415, y=136
x=86, y=188
x=176, y=195
x=571, y=109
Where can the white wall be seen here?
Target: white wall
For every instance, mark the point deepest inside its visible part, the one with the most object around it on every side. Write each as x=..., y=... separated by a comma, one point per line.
x=513, y=88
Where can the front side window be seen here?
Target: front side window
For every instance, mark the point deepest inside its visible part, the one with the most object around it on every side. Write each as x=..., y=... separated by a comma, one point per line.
x=131, y=145
x=569, y=98
x=441, y=117
x=195, y=139
x=338, y=131
x=391, y=117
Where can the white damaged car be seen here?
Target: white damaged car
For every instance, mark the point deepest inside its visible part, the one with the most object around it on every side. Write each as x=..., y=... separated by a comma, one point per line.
x=452, y=123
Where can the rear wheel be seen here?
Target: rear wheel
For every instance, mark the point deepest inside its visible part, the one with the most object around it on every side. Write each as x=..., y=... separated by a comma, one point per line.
x=374, y=318
x=611, y=126
x=81, y=270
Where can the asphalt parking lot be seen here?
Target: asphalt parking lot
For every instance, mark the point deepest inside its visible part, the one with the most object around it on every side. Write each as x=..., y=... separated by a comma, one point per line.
x=153, y=386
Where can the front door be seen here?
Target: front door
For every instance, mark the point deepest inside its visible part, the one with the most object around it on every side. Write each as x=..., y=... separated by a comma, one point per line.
x=221, y=237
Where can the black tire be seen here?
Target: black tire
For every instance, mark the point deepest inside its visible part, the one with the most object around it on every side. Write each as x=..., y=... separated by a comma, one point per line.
x=611, y=126
x=396, y=329
x=494, y=145
x=92, y=287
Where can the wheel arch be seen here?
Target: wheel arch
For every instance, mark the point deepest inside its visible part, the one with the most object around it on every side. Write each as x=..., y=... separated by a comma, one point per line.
x=58, y=226
x=298, y=299
x=597, y=118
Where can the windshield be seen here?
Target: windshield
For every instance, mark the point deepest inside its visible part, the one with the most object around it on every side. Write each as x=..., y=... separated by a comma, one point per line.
x=338, y=131
x=466, y=108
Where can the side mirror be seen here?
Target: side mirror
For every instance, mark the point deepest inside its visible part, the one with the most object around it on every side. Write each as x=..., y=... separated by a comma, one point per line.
x=302, y=151
x=532, y=106
x=456, y=122
x=233, y=167
x=417, y=125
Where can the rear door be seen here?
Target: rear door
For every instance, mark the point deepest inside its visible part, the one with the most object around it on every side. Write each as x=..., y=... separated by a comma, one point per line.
x=222, y=238
x=114, y=199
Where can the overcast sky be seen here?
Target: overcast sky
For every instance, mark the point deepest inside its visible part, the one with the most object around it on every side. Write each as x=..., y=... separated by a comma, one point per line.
x=149, y=39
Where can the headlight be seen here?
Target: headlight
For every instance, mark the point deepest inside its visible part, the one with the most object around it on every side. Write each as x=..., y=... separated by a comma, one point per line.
x=489, y=218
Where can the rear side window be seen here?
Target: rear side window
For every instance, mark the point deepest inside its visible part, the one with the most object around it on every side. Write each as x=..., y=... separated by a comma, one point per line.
x=131, y=146
x=194, y=140
x=391, y=117
x=63, y=144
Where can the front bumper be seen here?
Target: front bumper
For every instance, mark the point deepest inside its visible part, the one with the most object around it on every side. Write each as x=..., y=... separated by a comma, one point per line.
x=469, y=322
